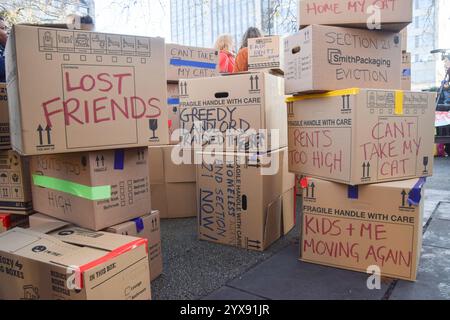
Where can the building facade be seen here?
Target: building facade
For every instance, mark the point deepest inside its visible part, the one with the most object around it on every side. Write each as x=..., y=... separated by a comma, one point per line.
x=430, y=30
x=200, y=22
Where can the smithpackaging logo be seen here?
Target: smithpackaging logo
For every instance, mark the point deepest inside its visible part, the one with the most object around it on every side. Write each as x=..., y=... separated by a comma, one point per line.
x=335, y=57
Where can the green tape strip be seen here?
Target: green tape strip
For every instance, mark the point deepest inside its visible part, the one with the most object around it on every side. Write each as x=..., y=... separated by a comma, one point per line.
x=75, y=189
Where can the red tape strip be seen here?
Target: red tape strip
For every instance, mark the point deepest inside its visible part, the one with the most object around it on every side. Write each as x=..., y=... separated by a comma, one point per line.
x=5, y=220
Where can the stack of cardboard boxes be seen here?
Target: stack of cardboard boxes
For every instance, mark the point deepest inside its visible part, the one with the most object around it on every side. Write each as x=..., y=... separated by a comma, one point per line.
x=166, y=177
x=83, y=109
x=237, y=128
x=15, y=189
x=364, y=151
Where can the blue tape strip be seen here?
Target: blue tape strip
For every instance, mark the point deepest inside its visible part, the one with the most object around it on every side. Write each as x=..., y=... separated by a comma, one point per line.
x=353, y=192
x=139, y=224
x=173, y=101
x=119, y=156
x=194, y=64
x=415, y=195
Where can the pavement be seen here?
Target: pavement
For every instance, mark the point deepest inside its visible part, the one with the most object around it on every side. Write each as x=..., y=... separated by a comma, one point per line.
x=196, y=269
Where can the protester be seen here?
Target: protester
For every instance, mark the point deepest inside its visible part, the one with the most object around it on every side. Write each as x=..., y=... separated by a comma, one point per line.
x=3, y=38
x=242, y=56
x=224, y=44
x=446, y=92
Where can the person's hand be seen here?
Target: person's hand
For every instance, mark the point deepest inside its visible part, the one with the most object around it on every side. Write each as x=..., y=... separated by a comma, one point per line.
x=3, y=37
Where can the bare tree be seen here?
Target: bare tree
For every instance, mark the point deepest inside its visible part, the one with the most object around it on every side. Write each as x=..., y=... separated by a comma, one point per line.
x=279, y=16
x=43, y=11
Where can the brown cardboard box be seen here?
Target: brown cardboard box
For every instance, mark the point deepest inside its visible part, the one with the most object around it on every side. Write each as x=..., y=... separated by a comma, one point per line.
x=9, y=221
x=406, y=71
x=94, y=190
x=361, y=136
x=5, y=143
x=394, y=15
x=266, y=53
x=322, y=58
x=186, y=62
x=244, y=102
x=170, y=182
x=70, y=263
x=15, y=189
x=241, y=207
x=350, y=228
x=73, y=91
x=146, y=227
x=404, y=35
x=173, y=104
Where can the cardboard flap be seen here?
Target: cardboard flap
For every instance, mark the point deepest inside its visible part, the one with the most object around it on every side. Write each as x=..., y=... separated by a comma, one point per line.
x=94, y=239
x=272, y=222
x=288, y=211
x=50, y=226
x=16, y=239
x=79, y=257
x=34, y=245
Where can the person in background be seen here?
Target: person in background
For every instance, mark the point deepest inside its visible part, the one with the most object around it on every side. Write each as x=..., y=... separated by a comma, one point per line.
x=224, y=44
x=3, y=38
x=242, y=56
x=75, y=21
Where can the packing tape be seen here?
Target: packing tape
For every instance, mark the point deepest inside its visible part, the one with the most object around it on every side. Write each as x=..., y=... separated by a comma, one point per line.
x=139, y=224
x=415, y=195
x=193, y=64
x=336, y=93
x=75, y=189
x=353, y=192
x=119, y=159
x=173, y=101
x=399, y=102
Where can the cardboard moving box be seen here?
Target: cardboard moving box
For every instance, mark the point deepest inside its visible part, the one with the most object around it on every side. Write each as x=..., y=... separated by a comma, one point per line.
x=243, y=103
x=72, y=91
x=350, y=228
x=15, y=189
x=266, y=53
x=393, y=15
x=9, y=221
x=239, y=205
x=5, y=142
x=173, y=105
x=70, y=263
x=323, y=58
x=406, y=71
x=186, y=62
x=146, y=227
x=362, y=136
x=173, y=190
x=94, y=190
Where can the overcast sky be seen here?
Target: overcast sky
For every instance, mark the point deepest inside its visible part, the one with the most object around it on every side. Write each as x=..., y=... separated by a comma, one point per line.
x=142, y=17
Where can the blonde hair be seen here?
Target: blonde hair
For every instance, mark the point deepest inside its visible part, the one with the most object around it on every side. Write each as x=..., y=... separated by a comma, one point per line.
x=224, y=42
